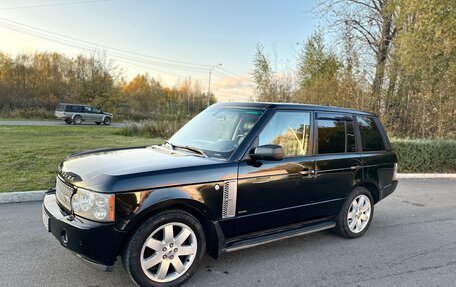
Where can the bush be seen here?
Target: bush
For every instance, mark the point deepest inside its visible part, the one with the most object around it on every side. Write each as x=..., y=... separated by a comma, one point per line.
x=27, y=113
x=152, y=128
x=426, y=155
x=415, y=155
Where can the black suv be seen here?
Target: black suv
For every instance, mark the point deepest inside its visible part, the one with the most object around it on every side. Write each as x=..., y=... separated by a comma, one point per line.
x=236, y=176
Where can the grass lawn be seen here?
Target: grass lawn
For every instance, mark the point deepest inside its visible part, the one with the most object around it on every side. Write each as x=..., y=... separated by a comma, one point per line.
x=29, y=155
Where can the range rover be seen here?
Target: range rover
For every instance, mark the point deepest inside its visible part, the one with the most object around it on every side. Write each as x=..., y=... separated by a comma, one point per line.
x=236, y=176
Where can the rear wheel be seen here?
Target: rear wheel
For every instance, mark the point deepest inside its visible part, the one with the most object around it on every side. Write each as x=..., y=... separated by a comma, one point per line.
x=77, y=120
x=356, y=214
x=107, y=121
x=165, y=250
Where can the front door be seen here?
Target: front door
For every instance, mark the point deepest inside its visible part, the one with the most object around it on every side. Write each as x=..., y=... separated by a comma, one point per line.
x=274, y=193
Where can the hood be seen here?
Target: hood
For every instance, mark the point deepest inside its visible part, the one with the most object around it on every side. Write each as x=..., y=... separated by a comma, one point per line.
x=128, y=169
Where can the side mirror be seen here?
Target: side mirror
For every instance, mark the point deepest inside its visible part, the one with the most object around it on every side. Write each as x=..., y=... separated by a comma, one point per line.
x=267, y=152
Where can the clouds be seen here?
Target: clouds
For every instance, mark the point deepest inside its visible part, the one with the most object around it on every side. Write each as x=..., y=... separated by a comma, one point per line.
x=233, y=89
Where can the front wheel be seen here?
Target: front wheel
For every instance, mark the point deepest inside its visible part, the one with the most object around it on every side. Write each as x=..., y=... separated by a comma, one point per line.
x=165, y=250
x=107, y=121
x=77, y=120
x=356, y=214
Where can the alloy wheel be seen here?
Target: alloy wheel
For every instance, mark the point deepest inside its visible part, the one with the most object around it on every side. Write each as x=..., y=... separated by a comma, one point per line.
x=168, y=252
x=359, y=214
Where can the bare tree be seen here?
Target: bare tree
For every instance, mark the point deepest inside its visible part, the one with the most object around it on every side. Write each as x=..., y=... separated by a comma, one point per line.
x=373, y=26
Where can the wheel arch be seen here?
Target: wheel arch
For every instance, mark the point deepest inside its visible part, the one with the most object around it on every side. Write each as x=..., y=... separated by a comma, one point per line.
x=74, y=115
x=212, y=231
x=372, y=188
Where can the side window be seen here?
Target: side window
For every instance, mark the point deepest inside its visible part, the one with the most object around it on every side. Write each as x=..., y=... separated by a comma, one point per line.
x=87, y=109
x=290, y=130
x=335, y=136
x=370, y=136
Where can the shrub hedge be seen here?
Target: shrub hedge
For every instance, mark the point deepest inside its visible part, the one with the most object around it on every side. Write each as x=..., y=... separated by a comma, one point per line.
x=415, y=155
x=426, y=155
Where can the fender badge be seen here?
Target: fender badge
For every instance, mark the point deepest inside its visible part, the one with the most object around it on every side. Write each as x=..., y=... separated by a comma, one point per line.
x=217, y=187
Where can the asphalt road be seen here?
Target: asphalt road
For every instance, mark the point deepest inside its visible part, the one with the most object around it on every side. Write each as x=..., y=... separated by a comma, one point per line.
x=51, y=123
x=411, y=242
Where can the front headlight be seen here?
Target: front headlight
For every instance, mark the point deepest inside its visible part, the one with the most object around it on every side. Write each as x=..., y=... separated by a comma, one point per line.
x=93, y=205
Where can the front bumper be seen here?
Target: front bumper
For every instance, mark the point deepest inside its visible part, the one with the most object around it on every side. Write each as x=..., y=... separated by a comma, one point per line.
x=97, y=243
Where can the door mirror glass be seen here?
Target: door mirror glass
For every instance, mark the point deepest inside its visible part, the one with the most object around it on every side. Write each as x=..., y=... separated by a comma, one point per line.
x=267, y=152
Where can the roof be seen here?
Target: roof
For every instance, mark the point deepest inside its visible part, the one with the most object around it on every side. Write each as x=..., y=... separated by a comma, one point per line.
x=265, y=105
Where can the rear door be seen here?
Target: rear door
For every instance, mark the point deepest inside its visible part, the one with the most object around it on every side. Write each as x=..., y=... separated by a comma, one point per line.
x=338, y=165
x=377, y=155
x=275, y=193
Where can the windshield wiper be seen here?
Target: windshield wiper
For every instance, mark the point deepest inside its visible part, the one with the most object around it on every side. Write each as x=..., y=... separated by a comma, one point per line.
x=171, y=146
x=190, y=148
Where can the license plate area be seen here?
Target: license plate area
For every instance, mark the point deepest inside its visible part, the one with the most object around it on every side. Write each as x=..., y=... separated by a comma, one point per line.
x=45, y=218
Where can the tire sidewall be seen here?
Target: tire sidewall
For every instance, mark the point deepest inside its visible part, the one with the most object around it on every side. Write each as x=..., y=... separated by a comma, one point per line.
x=77, y=120
x=132, y=253
x=342, y=223
x=107, y=121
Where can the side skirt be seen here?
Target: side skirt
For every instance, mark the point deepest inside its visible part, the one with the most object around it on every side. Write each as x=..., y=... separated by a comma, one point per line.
x=268, y=236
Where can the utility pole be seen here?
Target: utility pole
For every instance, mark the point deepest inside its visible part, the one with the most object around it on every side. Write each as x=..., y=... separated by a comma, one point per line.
x=209, y=85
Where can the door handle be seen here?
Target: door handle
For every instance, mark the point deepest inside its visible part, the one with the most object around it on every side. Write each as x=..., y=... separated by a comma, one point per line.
x=355, y=167
x=307, y=172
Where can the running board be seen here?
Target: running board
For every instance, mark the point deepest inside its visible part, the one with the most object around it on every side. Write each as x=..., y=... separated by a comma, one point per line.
x=277, y=234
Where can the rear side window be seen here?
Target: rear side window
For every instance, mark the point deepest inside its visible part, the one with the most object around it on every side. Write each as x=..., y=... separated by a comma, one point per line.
x=73, y=109
x=371, y=138
x=335, y=136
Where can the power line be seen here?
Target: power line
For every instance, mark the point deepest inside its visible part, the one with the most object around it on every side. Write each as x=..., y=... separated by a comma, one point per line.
x=52, y=5
x=158, y=59
x=119, y=54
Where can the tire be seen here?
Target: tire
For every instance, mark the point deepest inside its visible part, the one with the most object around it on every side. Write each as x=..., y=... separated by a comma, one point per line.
x=107, y=121
x=98, y=123
x=352, y=221
x=68, y=121
x=136, y=252
x=77, y=120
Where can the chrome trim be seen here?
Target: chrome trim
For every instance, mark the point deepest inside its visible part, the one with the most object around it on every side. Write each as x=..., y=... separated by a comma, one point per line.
x=229, y=199
x=63, y=192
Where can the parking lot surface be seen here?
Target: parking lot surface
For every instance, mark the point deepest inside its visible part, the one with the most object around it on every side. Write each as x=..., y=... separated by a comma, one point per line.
x=411, y=242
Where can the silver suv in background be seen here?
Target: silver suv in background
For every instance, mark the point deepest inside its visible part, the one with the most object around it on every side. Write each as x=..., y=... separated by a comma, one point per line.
x=73, y=113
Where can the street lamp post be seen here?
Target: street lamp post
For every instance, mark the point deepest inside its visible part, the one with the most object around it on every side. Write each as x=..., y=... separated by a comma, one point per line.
x=209, y=85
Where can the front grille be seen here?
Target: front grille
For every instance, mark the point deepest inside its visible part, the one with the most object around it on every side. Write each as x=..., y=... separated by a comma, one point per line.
x=63, y=193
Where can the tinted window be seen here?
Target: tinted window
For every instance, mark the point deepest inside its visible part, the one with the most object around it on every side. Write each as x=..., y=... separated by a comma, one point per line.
x=73, y=109
x=87, y=109
x=335, y=136
x=370, y=135
x=290, y=130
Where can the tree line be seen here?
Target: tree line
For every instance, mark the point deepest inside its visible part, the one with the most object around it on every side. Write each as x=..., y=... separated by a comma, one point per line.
x=396, y=58
x=34, y=83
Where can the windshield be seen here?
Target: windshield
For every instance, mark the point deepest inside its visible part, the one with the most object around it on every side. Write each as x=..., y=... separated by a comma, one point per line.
x=217, y=131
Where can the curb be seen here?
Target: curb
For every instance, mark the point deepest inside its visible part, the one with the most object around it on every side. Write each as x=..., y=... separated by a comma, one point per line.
x=36, y=195
x=21, y=196
x=426, y=176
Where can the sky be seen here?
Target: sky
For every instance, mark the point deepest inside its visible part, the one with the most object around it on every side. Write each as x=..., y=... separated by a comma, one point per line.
x=169, y=39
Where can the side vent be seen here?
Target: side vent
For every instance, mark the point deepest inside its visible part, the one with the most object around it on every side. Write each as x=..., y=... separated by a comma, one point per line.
x=229, y=199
